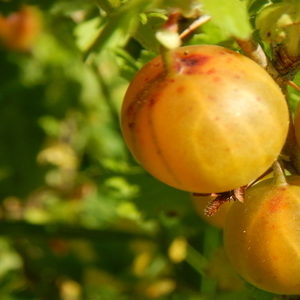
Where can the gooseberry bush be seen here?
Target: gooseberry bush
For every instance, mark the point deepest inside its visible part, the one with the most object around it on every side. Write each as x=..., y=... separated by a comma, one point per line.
x=149, y=149
x=207, y=119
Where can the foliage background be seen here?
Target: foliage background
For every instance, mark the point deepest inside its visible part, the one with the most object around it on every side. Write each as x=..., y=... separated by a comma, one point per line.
x=79, y=219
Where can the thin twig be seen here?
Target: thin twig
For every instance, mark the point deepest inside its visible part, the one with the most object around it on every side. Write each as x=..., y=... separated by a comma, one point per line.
x=270, y=170
x=254, y=51
x=197, y=23
x=293, y=85
x=106, y=95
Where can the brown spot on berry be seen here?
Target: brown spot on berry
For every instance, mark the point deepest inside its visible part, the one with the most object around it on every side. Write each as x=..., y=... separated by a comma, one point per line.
x=191, y=63
x=194, y=60
x=131, y=109
x=152, y=101
x=131, y=125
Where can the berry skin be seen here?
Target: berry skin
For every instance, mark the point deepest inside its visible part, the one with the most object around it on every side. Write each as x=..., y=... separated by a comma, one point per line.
x=215, y=112
x=261, y=236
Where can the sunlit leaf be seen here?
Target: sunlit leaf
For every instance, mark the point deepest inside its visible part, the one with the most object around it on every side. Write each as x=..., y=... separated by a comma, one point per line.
x=230, y=15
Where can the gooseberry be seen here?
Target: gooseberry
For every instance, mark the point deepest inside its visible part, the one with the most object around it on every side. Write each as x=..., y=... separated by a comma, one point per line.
x=19, y=30
x=211, y=112
x=261, y=236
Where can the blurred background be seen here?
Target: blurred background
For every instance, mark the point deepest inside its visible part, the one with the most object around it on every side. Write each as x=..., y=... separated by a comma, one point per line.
x=79, y=218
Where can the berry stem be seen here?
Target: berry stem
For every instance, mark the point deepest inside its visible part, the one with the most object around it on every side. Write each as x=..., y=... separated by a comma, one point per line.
x=168, y=39
x=279, y=174
x=254, y=51
x=167, y=59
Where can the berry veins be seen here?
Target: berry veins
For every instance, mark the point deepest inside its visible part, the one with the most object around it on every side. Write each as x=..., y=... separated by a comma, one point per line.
x=213, y=122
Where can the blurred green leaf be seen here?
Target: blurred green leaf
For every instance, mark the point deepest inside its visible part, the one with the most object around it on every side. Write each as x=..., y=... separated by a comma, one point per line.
x=86, y=32
x=210, y=34
x=230, y=15
x=120, y=24
x=145, y=33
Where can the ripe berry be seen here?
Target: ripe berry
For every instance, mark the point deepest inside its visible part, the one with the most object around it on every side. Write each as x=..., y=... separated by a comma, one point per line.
x=261, y=236
x=213, y=122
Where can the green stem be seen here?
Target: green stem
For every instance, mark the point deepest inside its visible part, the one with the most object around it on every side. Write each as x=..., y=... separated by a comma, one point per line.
x=107, y=96
x=254, y=51
x=166, y=55
x=211, y=243
x=279, y=174
x=196, y=260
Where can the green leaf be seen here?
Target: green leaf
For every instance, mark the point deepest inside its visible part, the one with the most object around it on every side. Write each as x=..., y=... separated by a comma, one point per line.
x=210, y=34
x=86, y=32
x=255, y=5
x=145, y=33
x=230, y=15
x=121, y=23
x=186, y=7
